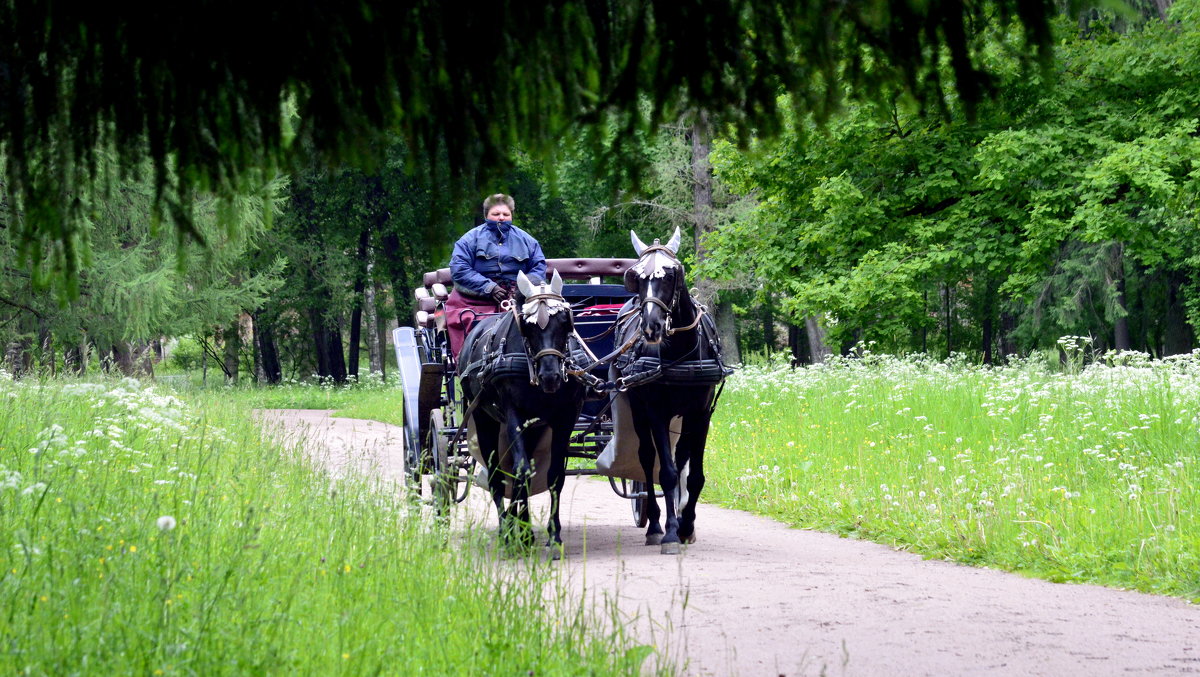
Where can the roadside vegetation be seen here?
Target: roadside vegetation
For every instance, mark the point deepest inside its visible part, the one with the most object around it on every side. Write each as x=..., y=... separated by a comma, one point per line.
x=1046, y=467
x=146, y=535
x=1064, y=472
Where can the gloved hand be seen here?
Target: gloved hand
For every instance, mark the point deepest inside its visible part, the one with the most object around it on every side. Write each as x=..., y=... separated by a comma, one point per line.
x=499, y=294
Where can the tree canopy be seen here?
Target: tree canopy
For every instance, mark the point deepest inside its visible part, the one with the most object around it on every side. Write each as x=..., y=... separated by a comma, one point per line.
x=1069, y=209
x=199, y=90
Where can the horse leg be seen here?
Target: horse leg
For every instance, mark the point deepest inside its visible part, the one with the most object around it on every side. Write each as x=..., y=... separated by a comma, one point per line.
x=522, y=475
x=668, y=477
x=641, y=425
x=691, y=442
x=487, y=434
x=556, y=479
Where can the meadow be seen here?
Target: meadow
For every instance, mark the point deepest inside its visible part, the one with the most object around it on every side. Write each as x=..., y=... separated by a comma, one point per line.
x=146, y=534
x=158, y=533
x=1060, y=471
x=1051, y=468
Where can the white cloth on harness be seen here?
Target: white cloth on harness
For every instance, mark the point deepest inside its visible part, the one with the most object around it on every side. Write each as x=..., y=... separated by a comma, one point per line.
x=539, y=455
x=620, y=456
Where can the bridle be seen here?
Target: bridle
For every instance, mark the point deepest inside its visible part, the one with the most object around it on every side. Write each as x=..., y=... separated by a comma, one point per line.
x=676, y=295
x=556, y=304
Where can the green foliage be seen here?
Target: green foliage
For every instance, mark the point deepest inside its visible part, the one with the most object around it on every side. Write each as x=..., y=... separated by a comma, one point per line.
x=218, y=115
x=186, y=354
x=1048, y=207
x=135, y=288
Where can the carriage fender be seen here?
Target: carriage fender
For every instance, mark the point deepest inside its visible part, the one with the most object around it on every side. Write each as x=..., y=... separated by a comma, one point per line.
x=620, y=456
x=540, y=456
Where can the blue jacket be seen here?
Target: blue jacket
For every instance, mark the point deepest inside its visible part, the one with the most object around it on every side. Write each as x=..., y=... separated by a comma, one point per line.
x=495, y=251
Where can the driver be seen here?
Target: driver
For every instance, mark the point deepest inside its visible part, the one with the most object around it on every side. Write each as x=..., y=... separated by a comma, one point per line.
x=485, y=264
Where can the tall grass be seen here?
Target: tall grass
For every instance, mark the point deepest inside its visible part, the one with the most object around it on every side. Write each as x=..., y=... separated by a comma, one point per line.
x=1083, y=474
x=143, y=535
x=370, y=397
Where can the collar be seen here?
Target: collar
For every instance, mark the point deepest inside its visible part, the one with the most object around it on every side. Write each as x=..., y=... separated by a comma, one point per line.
x=498, y=228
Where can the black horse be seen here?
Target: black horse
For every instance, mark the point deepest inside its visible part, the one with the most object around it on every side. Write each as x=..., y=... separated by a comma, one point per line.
x=513, y=368
x=676, y=358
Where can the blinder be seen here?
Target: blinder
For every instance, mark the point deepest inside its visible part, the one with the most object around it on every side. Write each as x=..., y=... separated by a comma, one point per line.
x=631, y=280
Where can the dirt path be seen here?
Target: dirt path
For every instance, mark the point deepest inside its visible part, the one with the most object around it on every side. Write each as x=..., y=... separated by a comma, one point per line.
x=754, y=597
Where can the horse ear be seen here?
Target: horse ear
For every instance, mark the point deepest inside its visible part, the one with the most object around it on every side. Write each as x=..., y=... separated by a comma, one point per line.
x=523, y=284
x=556, y=283
x=638, y=245
x=673, y=243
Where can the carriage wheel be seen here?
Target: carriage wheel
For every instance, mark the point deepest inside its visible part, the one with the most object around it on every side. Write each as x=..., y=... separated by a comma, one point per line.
x=641, y=506
x=439, y=449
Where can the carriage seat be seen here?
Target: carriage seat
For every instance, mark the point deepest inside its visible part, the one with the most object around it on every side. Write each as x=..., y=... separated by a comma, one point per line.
x=584, y=269
x=569, y=269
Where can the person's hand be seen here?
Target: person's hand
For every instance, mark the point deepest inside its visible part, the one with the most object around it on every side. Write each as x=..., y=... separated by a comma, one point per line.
x=499, y=294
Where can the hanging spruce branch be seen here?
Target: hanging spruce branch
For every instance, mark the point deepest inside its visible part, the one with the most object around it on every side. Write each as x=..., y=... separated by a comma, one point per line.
x=199, y=88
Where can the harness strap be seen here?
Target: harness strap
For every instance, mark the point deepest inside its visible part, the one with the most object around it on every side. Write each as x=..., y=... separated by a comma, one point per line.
x=695, y=323
x=633, y=339
x=657, y=248
x=583, y=344
x=658, y=302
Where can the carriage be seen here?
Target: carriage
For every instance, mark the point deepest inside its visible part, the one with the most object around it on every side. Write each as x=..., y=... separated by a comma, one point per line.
x=437, y=439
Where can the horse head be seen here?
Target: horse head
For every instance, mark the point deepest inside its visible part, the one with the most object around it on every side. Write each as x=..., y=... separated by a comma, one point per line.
x=657, y=279
x=545, y=322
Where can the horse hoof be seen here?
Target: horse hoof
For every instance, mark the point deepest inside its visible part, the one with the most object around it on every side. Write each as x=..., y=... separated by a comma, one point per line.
x=552, y=553
x=689, y=539
x=653, y=539
x=670, y=548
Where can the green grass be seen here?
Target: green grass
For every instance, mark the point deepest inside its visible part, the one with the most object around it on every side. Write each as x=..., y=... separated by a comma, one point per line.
x=370, y=399
x=147, y=535
x=1083, y=475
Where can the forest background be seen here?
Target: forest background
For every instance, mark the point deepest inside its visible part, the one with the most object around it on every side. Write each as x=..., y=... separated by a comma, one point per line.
x=1065, y=204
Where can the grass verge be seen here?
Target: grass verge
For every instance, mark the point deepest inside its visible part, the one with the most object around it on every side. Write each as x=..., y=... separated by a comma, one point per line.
x=1083, y=475
x=148, y=536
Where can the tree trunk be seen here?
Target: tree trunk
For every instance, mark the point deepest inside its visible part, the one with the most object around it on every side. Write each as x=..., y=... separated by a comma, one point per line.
x=317, y=326
x=14, y=357
x=356, y=314
x=702, y=217
x=144, y=358
x=336, y=360
x=818, y=340
x=925, y=326
x=232, y=339
x=948, y=305
x=383, y=330
x=1178, y=335
x=1008, y=325
x=256, y=352
x=47, y=357
x=798, y=345
x=397, y=277
x=264, y=337
x=355, y=337
x=374, y=355
x=768, y=320
x=74, y=362
x=989, y=316
x=122, y=355
x=1117, y=279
